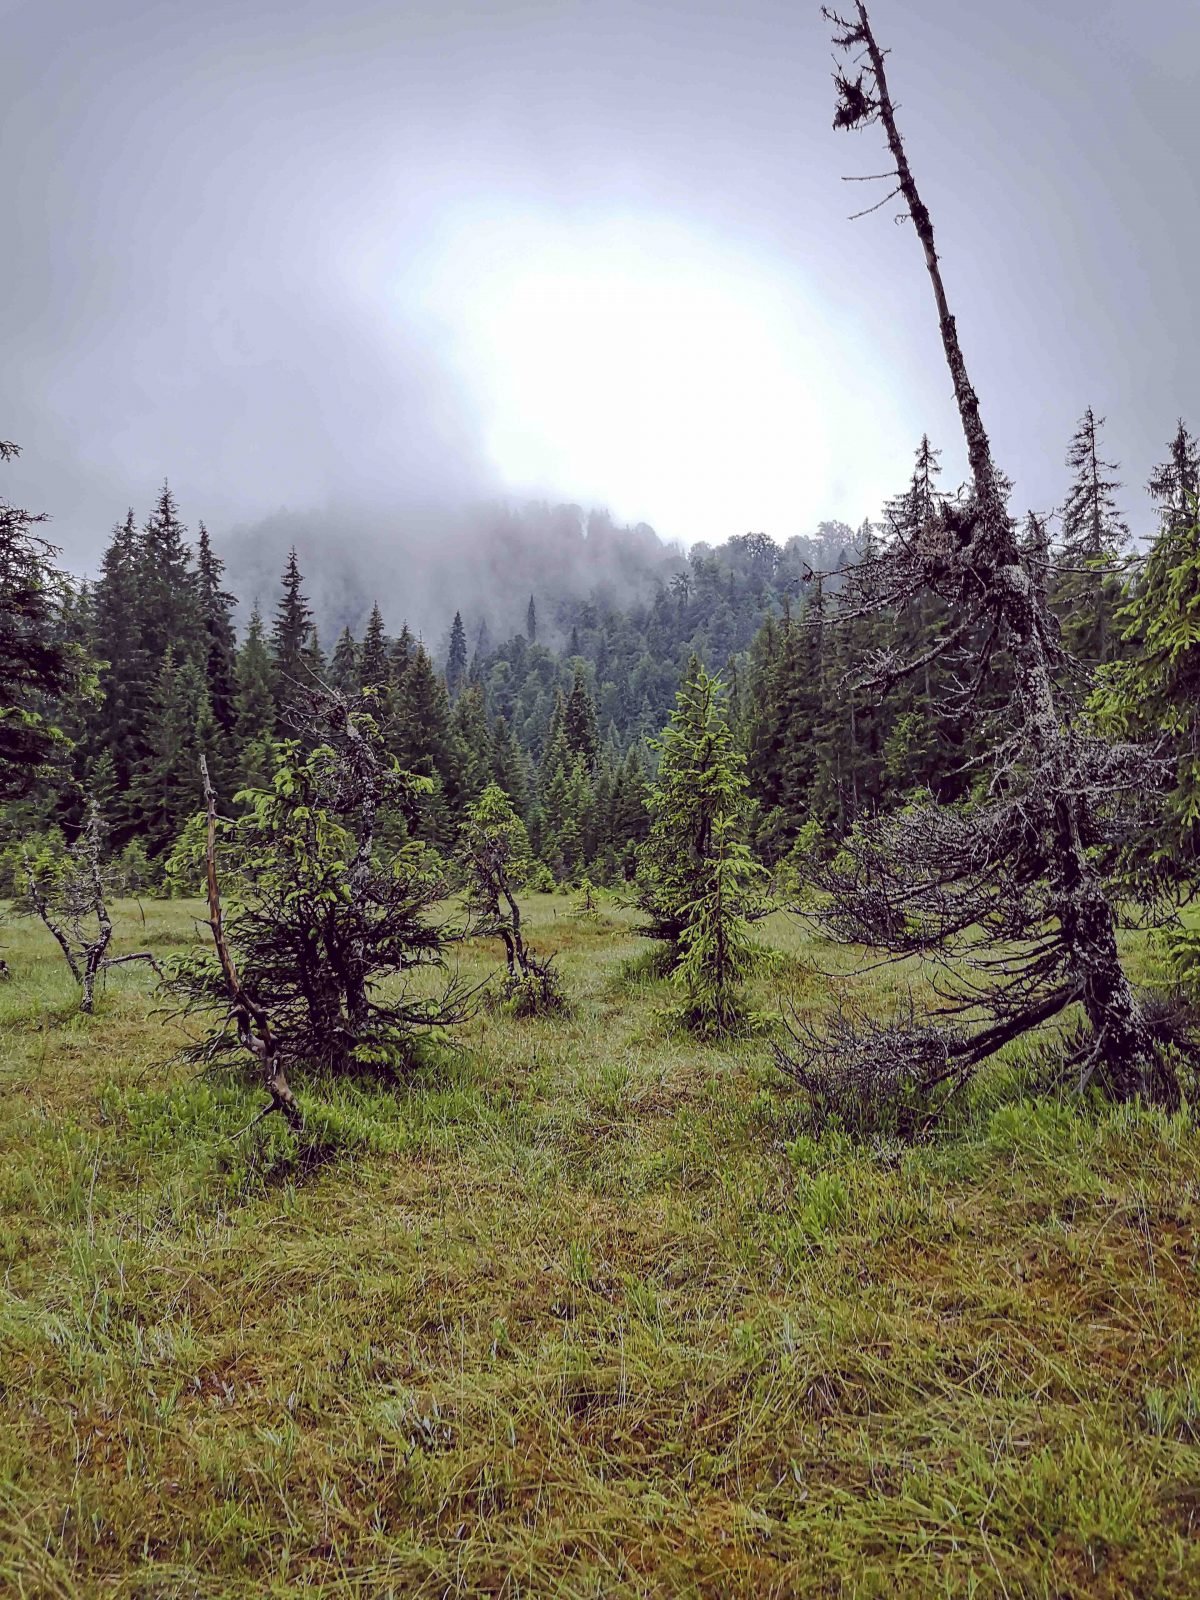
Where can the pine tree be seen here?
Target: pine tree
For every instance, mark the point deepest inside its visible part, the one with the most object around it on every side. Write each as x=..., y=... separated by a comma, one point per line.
x=456, y=658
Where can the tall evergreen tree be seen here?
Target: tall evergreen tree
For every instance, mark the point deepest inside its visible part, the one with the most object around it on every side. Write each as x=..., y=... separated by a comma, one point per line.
x=1175, y=483
x=456, y=658
x=509, y=770
x=699, y=791
x=291, y=637
x=1093, y=533
x=374, y=664
x=1155, y=694
x=38, y=667
x=579, y=720
x=167, y=787
x=216, y=620
x=168, y=601
x=255, y=711
x=344, y=667
x=531, y=621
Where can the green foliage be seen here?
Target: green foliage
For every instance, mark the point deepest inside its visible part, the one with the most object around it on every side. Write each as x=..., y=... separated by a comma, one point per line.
x=697, y=798
x=324, y=923
x=1155, y=692
x=39, y=668
x=184, y=866
x=717, y=952
x=494, y=851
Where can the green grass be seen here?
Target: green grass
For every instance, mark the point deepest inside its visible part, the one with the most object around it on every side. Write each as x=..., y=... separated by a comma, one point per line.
x=577, y=1313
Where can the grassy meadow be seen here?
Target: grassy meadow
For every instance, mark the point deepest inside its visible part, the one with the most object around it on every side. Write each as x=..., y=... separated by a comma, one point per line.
x=577, y=1311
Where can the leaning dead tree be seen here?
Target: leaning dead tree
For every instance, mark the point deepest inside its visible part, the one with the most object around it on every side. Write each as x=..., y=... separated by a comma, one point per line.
x=1011, y=892
x=71, y=898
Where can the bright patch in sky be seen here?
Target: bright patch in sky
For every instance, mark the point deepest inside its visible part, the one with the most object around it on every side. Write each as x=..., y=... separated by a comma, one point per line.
x=647, y=368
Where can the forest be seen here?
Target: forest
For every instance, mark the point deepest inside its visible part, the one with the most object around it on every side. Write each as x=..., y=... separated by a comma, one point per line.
x=682, y=1083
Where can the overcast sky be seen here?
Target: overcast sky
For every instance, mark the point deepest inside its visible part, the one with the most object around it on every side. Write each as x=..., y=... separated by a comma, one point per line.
x=306, y=252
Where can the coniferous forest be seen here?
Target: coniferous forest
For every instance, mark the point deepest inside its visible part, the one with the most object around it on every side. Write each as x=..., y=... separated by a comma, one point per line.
x=676, y=1076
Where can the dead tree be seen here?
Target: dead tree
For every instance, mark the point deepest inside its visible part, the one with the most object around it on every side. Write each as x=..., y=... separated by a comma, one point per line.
x=1013, y=885
x=71, y=898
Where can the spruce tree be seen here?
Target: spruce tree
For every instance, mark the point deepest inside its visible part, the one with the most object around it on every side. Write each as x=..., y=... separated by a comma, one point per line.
x=166, y=787
x=456, y=658
x=255, y=710
x=579, y=720
x=509, y=770
x=344, y=666
x=38, y=667
x=700, y=790
x=1093, y=533
x=220, y=642
x=291, y=636
x=717, y=952
x=374, y=665
x=531, y=622
x=1155, y=694
x=168, y=598
x=1175, y=483
x=126, y=675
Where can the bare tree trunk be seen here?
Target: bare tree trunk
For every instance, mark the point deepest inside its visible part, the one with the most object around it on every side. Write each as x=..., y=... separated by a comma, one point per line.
x=1125, y=1056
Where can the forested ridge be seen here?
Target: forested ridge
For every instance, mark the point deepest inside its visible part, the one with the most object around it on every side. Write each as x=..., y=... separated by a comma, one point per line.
x=563, y=714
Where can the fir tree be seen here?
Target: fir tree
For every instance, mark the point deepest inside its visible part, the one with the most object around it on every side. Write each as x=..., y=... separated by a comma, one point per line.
x=509, y=770
x=531, y=622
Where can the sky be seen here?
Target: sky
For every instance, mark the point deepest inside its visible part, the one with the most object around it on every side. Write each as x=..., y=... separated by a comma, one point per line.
x=307, y=253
